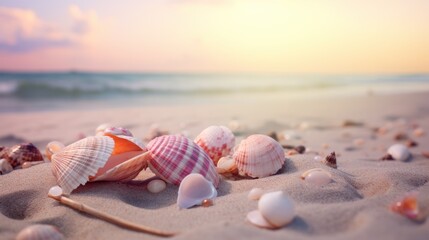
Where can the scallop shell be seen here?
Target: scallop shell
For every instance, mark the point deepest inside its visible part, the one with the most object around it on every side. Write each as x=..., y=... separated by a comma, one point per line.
x=21, y=153
x=5, y=167
x=91, y=158
x=317, y=176
x=399, y=152
x=40, y=232
x=217, y=141
x=275, y=210
x=259, y=156
x=194, y=190
x=172, y=158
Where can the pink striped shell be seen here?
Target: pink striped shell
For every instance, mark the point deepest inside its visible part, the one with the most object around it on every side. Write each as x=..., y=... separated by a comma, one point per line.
x=217, y=141
x=172, y=158
x=259, y=156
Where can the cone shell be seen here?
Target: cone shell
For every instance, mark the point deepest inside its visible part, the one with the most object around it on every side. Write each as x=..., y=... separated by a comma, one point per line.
x=40, y=232
x=21, y=153
x=217, y=141
x=172, y=158
x=259, y=156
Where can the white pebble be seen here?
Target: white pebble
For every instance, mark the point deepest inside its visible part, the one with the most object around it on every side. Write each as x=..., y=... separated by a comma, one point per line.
x=156, y=186
x=56, y=191
x=399, y=152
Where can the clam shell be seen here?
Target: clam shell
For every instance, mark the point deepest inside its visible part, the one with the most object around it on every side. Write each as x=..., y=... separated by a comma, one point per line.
x=399, y=152
x=5, y=167
x=317, y=176
x=259, y=156
x=172, y=158
x=40, y=232
x=194, y=189
x=217, y=141
x=21, y=153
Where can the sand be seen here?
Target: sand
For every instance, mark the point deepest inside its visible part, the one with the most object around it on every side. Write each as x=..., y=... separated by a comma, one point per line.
x=354, y=206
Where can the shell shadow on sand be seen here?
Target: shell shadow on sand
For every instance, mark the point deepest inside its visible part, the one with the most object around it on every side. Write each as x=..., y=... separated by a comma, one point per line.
x=15, y=205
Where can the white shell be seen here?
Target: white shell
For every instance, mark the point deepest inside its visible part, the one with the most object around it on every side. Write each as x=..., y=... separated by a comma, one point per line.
x=52, y=148
x=399, y=152
x=255, y=193
x=255, y=217
x=55, y=191
x=259, y=156
x=40, y=232
x=5, y=167
x=194, y=189
x=226, y=165
x=277, y=208
x=156, y=186
x=317, y=176
x=217, y=141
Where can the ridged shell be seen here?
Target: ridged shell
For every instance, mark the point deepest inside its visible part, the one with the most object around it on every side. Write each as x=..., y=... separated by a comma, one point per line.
x=193, y=190
x=40, y=232
x=259, y=156
x=217, y=141
x=21, y=153
x=172, y=158
x=77, y=162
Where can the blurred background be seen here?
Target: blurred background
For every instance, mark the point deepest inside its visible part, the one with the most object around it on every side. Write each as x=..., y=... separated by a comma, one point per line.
x=98, y=54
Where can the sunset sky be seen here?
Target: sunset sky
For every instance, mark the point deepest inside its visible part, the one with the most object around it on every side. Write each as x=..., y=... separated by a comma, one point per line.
x=273, y=36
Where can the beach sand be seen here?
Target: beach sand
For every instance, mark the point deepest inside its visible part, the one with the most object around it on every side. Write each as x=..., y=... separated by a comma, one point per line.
x=354, y=206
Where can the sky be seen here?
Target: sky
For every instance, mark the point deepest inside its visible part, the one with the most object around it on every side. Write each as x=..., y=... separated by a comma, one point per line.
x=262, y=36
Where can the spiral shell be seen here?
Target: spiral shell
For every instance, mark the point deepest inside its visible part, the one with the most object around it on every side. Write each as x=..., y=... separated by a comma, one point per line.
x=172, y=158
x=217, y=141
x=91, y=158
x=40, y=232
x=259, y=156
x=18, y=154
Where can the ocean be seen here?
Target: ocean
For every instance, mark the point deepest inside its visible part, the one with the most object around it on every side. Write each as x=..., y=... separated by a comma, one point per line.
x=76, y=90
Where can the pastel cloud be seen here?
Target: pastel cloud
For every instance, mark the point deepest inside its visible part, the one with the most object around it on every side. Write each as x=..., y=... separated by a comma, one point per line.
x=21, y=30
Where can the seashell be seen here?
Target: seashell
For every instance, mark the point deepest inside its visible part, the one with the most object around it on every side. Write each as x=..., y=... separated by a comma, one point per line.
x=317, y=176
x=53, y=147
x=275, y=210
x=100, y=129
x=259, y=156
x=156, y=186
x=194, y=190
x=226, y=165
x=40, y=232
x=5, y=167
x=172, y=158
x=91, y=159
x=408, y=206
x=21, y=153
x=399, y=152
x=331, y=160
x=117, y=131
x=217, y=141
x=255, y=193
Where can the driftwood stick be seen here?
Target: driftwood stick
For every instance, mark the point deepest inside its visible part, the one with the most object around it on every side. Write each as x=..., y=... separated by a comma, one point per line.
x=109, y=218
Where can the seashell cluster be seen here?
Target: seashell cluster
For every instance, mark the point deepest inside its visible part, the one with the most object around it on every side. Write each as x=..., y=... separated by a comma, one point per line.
x=217, y=141
x=21, y=153
x=275, y=210
x=40, y=232
x=195, y=190
x=172, y=158
x=257, y=156
x=399, y=152
x=317, y=177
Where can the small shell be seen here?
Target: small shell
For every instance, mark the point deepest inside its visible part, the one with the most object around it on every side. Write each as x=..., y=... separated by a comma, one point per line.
x=331, y=160
x=21, y=153
x=118, y=131
x=156, y=186
x=408, y=206
x=194, y=190
x=91, y=158
x=5, y=167
x=275, y=210
x=399, y=152
x=40, y=232
x=217, y=141
x=255, y=193
x=172, y=158
x=100, y=129
x=53, y=147
x=259, y=156
x=317, y=176
x=226, y=165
